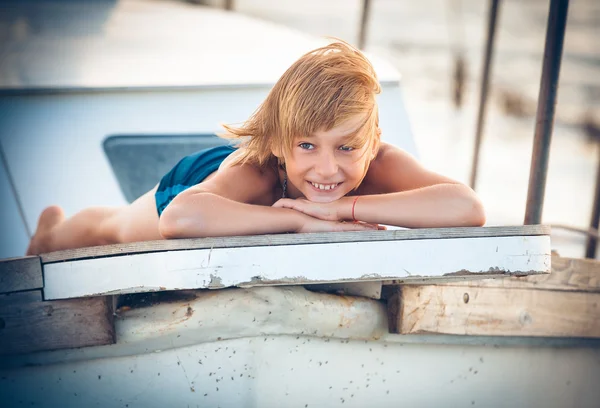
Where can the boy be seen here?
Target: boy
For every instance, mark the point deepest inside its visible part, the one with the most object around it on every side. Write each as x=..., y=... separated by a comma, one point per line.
x=309, y=159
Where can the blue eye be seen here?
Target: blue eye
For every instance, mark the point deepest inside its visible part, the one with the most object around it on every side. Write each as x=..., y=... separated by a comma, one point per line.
x=346, y=148
x=306, y=146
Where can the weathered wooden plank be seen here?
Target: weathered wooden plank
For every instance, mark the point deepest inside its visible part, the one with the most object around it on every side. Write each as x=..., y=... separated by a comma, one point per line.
x=554, y=304
x=20, y=297
x=429, y=259
x=20, y=274
x=28, y=326
x=494, y=312
x=293, y=239
x=568, y=274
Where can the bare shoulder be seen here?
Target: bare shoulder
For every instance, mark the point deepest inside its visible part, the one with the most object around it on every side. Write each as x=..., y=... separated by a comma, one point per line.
x=394, y=169
x=245, y=183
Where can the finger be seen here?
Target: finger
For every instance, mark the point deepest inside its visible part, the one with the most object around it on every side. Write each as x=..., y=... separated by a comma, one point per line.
x=283, y=203
x=356, y=227
x=295, y=205
x=369, y=224
x=374, y=226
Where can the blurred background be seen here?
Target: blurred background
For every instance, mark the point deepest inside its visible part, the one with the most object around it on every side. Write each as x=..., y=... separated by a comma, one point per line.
x=438, y=47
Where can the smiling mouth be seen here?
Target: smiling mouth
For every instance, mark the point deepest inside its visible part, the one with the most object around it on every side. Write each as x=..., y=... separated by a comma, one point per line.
x=324, y=187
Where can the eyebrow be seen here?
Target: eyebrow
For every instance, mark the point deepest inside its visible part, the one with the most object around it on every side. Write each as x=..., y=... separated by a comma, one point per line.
x=343, y=139
x=346, y=136
x=352, y=135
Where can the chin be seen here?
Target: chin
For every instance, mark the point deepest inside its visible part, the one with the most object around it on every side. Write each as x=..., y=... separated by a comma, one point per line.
x=322, y=199
x=311, y=194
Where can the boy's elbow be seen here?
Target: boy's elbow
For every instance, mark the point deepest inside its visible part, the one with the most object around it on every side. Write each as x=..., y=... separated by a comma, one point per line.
x=477, y=214
x=168, y=224
x=473, y=210
x=175, y=222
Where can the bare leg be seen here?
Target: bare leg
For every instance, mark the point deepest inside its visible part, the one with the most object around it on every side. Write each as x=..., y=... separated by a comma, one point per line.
x=96, y=226
x=50, y=217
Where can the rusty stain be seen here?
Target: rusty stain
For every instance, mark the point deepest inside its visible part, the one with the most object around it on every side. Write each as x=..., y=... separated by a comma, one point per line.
x=123, y=309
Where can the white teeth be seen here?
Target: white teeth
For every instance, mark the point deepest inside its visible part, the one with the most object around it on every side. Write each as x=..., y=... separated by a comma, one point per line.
x=324, y=186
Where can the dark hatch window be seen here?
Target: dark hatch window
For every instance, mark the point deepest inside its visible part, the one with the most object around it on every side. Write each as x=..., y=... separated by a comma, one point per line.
x=140, y=161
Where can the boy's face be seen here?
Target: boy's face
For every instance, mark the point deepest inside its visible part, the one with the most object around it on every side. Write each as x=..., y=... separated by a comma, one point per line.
x=322, y=167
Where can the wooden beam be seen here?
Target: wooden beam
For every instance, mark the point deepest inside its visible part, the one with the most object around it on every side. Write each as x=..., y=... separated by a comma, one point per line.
x=20, y=297
x=564, y=304
x=299, y=264
x=18, y=274
x=27, y=324
x=568, y=274
x=293, y=239
x=497, y=312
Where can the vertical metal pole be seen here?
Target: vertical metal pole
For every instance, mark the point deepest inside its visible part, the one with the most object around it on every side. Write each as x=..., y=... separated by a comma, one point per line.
x=592, y=242
x=364, y=18
x=555, y=35
x=13, y=188
x=485, y=81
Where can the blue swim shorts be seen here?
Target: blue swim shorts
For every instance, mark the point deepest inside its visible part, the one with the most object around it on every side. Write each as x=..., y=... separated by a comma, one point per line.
x=190, y=171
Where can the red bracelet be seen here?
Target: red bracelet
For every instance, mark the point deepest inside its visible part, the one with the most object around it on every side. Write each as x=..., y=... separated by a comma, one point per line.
x=354, y=205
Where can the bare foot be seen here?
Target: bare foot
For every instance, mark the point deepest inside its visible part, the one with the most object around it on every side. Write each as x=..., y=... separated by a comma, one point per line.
x=49, y=218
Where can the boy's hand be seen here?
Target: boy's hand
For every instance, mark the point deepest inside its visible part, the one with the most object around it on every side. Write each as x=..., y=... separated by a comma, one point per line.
x=316, y=225
x=322, y=211
x=322, y=217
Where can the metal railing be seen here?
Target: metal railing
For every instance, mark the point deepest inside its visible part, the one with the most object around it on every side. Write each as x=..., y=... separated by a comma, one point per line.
x=553, y=50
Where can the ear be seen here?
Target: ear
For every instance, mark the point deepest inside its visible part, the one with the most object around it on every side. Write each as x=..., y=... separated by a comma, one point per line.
x=376, y=143
x=277, y=151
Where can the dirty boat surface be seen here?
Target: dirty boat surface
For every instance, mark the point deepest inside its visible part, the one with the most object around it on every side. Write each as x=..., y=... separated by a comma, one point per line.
x=334, y=337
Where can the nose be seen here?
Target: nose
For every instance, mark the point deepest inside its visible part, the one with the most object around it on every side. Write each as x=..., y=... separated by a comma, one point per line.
x=326, y=165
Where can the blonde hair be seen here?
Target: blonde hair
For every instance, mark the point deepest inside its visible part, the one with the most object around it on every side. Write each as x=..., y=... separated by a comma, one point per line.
x=321, y=90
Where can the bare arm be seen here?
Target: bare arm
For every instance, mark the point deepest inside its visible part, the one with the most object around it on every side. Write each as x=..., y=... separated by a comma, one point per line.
x=399, y=191
x=204, y=214
x=441, y=205
x=237, y=202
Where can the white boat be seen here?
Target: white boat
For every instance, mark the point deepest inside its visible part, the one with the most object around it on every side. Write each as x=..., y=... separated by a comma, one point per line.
x=100, y=100
x=85, y=88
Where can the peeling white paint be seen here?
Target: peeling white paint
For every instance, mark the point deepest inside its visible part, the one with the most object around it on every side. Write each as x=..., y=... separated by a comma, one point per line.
x=299, y=264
